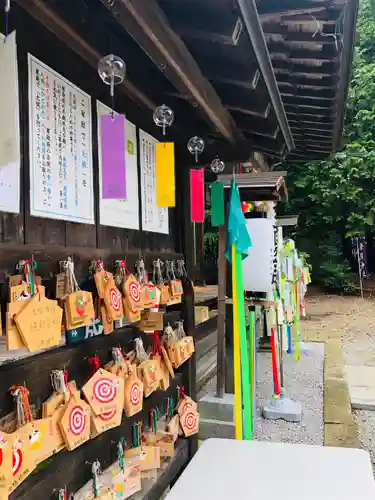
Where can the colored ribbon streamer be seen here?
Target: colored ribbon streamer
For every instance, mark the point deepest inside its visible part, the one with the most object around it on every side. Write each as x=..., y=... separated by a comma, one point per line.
x=275, y=373
x=165, y=174
x=245, y=360
x=236, y=354
x=217, y=204
x=113, y=156
x=298, y=333
x=197, y=195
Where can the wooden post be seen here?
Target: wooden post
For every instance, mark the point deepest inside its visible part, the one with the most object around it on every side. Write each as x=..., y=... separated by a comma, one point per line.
x=222, y=265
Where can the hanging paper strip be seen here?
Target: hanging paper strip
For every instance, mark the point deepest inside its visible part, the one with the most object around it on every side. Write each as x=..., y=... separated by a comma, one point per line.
x=113, y=157
x=197, y=195
x=217, y=204
x=165, y=177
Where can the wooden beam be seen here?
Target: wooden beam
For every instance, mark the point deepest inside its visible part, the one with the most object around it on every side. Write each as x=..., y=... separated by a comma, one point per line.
x=273, y=16
x=295, y=117
x=54, y=23
x=321, y=137
x=147, y=24
x=254, y=132
x=231, y=37
x=251, y=112
x=250, y=84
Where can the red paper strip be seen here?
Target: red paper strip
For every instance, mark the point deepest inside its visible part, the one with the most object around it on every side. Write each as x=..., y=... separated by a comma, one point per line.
x=197, y=195
x=276, y=385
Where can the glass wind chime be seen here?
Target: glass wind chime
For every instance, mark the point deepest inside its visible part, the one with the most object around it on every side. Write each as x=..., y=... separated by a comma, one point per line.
x=112, y=70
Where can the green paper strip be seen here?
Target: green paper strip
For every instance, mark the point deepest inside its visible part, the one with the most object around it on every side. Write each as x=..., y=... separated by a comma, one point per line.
x=217, y=203
x=246, y=373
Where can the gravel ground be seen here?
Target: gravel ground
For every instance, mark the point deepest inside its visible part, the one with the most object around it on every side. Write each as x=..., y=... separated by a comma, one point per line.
x=304, y=383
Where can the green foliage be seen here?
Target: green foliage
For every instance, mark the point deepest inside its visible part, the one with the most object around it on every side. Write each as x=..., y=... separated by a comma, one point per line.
x=335, y=199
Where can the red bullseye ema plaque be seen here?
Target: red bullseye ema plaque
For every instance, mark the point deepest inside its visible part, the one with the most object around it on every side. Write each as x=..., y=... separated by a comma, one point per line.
x=105, y=421
x=75, y=423
x=5, y=463
x=104, y=392
x=189, y=422
x=133, y=393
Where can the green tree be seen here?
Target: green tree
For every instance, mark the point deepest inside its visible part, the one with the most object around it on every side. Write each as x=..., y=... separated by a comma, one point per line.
x=335, y=199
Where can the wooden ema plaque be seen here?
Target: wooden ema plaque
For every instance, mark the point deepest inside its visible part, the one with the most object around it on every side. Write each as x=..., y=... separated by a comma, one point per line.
x=13, y=337
x=105, y=421
x=5, y=464
x=133, y=393
x=40, y=433
x=149, y=456
x=23, y=463
x=108, y=291
x=104, y=392
x=185, y=403
x=131, y=289
x=189, y=421
x=149, y=372
x=39, y=323
x=79, y=309
x=167, y=361
x=75, y=423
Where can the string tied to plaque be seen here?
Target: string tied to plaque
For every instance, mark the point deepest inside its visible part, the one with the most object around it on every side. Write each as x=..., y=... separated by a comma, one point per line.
x=181, y=269
x=96, y=470
x=94, y=362
x=140, y=350
x=120, y=454
x=59, y=381
x=141, y=272
x=23, y=410
x=157, y=273
x=30, y=267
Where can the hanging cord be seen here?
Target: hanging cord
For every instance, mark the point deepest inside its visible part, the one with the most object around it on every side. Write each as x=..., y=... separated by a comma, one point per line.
x=71, y=284
x=121, y=271
x=94, y=362
x=137, y=434
x=180, y=332
x=156, y=345
x=169, y=335
x=21, y=398
x=140, y=350
x=157, y=274
x=59, y=381
x=170, y=409
x=168, y=274
x=141, y=271
x=181, y=269
x=96, y=472
x=118, y=356
x=120, y=454
x=30, y=267
x=154, y=417
x=172, y=270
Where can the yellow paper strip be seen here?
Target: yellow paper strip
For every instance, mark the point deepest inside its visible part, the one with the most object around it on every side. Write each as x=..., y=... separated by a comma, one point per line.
x=165, y=177
x=236, y=353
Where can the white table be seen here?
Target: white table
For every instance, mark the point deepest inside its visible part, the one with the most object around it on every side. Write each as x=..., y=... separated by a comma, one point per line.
x=226, y=469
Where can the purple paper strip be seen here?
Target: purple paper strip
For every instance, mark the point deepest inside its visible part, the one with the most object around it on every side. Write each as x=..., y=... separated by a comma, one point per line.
x=113, y=156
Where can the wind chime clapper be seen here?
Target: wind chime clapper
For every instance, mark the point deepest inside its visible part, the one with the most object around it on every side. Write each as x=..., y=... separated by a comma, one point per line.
x=163, y=117
x=112, y=70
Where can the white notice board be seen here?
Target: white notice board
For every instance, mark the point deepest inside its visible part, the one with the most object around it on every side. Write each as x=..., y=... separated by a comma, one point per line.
x=10, y=156
x=154, y=218
x=61, y=178
x=121, y=213
x=258, y=266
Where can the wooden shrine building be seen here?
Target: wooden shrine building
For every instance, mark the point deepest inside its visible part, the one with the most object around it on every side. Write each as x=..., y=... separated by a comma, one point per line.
x=249, y=77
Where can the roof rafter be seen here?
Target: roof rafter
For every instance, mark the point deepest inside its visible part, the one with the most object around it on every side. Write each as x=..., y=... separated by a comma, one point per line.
x=147, y=24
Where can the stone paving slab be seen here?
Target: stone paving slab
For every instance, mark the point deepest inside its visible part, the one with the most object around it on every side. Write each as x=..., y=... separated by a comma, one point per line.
x=361, y=382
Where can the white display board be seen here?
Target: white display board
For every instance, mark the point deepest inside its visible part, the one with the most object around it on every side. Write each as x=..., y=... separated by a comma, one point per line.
x=154, y=218
x=10, y=156
x=61, y=174
x=121, y=213
x=258, y=266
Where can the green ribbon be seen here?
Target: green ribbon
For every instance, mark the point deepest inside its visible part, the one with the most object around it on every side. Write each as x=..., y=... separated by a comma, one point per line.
x=120, y=454
x=217, y=204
